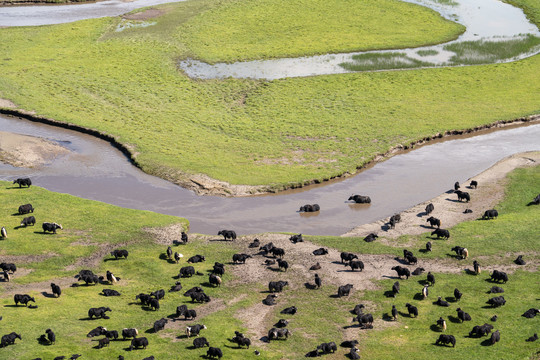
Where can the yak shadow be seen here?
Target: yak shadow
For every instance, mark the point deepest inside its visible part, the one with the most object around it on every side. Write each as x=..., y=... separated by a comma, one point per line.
x=470, y=272
x=177, y=243
x=427, y=227
x=338, y=263
x=435, y=328
x=150, y=331
x=19, y=227
x=405, y=314
x=44, y=342
x=532, y=203
x=223, y=240
x=486, y=342
x=15, y=306
x=454, y=319
x=454, y=256
x=422, y=213
x=453, y=200
x=488, y=307
x=44, y=233
x=334, y=296
x=418, y=296
x=401, y=261
x=265, y=339
x=110, y=259
x=274, y=269
x=183, y=336
x=451, y=299
x=392, y=277
x=423, y=250
x=423, y=282
x=207, y=284
x=147, y=308
x=17, y=214
x=191, y=347
x=310, y=286
x=47, y=295
x=389, y=294
x=385, y=227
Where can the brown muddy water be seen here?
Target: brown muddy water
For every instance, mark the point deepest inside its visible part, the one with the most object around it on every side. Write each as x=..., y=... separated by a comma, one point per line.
x=96, y=170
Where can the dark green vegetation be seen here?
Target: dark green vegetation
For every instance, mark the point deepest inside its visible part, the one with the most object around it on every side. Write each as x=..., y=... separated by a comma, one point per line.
x=383, y=61
x=92, y=229
x=481, y=52
x=242, y=131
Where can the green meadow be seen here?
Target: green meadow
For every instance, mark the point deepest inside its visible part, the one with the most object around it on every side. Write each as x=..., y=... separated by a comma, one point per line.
x=92, y=229
x=276, y=133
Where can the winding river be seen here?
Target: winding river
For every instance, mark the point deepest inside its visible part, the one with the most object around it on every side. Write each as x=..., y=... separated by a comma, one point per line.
x=96, y=170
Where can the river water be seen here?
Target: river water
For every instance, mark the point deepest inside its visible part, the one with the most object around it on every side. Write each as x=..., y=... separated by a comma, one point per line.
x=96, y=170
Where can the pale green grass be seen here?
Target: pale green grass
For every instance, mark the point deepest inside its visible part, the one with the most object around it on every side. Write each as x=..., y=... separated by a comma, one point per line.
x=281, y=28
x=427, y=52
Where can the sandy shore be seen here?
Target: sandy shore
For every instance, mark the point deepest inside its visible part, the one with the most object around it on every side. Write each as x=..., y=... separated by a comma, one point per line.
x=28, y=151
x=491, y=184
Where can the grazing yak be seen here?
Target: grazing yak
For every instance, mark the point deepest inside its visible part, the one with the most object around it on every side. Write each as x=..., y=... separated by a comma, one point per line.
x=9, y=339
x=476, y=267
x=200, y=342
x=533, y=338
x=193, y=290
x=430, y=278
x=495, y=337
x=23, y=299
x=326, y=348
x=138, y=342
x=158, y=294
x=394, y=313
x=113, y=334
x=282, y=323
x=473, y=184
x=51, y=227
x=401, y=271
x=461, y=252
x=425, y=292
x=241, y=340
x=462, y=195
x=118, y=253
x=23, y=182
x=418, y=271
x=277, y=286
x=30, y=220
x=442, y=302
x=433, y=221
x=536, y=200
x=240, y=258
x=441, y=323
x=457, y=294
x=275, y=333
x=412, y=310
x=200, y=297
x=275, y=251
x=56, y=290
x=310, y=208
x=25, y=209
x=186, y=271
x=497, y=276
x=344, y=290
x=365, y=321
x=463, y=316
x=227, y=234
x=111, y=278
x=215, y=280
x=345, y=256
x=480, y=330
x=360, y=199
x=184, y=237
x=495, y=290
x=169, y=252
x=318, y=281
x=429, y=208
x=3, y=233
x=445, y=340
x=214, y=352
x=353, y=354
x=177, y=257
x=160, y=324
x=356, y=264
x=129, y=333
x=441, y=233
x=282, y=264
x=371, y=237
x=98, y=312
x=394, y=219
x=456, y=186
x=194, y=330
x=317, y=266
x=428, y=246
x=496, y=301
x=218, y=269
x=490, y=214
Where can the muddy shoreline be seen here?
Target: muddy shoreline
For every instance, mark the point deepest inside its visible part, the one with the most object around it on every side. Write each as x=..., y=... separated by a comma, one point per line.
x=204, y=185
x=45, y=2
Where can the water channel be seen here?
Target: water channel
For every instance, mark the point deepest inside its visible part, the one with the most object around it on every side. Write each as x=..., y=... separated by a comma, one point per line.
x=96, y=170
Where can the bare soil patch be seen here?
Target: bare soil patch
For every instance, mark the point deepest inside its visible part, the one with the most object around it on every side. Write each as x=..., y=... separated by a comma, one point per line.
x=28, y=151
x=166, y=235
x=490, y=191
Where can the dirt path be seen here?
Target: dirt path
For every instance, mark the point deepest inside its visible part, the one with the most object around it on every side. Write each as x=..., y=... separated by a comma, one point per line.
x=490, y=191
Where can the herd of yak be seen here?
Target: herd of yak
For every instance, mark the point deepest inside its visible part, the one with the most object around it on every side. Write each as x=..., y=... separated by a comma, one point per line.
x=274, y=255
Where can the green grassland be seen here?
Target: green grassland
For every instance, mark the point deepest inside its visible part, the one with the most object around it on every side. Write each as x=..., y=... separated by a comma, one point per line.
x=321, y=318
x=278, y=133
x=279, y=28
